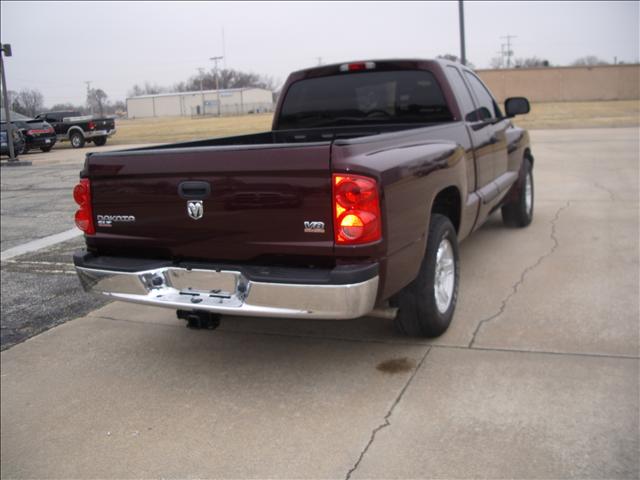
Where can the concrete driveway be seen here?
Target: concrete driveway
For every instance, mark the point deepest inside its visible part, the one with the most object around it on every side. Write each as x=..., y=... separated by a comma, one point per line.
x=536, y=378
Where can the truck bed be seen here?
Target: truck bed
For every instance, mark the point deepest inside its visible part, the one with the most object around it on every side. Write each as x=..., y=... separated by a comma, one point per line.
x=261, y=189
x=280, y=137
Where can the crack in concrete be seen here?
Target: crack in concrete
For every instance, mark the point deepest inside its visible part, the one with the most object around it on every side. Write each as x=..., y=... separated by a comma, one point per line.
x=612, y=197
x=386, y=423
x=516, y=286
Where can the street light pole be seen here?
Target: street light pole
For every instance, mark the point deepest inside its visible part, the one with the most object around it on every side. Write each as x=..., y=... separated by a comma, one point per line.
x=5, y=51
x=215, y=61
x=463, y=53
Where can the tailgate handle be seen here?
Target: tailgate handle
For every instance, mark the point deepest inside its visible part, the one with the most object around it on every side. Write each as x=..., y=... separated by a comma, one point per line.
x=192, y=189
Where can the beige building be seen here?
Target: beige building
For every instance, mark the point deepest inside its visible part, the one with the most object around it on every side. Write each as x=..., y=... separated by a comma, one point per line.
x=565, y=84
x=235, y=101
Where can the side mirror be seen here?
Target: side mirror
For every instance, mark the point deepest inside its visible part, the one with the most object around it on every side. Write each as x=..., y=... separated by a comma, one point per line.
x=516, y=106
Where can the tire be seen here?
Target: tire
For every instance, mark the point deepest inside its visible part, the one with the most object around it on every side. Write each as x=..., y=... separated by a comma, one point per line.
x=99, y=141
x=46, y=149
x=76, y=139
x=420, y=312
x=519, y=212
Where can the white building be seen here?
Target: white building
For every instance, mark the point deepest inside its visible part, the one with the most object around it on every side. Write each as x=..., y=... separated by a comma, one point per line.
x=234, y=101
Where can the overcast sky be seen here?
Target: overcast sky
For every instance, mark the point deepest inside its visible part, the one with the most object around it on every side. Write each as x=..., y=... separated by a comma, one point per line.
x=59, y=45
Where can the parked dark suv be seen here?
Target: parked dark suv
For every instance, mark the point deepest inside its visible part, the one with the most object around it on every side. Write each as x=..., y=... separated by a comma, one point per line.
x=18, y=140
x=37, y=134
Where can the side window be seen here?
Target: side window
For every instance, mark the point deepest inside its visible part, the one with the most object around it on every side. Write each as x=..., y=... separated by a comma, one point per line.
x=462, y=94
x=486, y=105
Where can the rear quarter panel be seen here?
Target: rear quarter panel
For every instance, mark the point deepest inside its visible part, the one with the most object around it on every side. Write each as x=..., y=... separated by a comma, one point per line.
x=411, y=168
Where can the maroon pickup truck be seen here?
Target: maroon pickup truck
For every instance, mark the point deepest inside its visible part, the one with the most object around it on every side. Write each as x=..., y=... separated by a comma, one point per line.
x=352, y=205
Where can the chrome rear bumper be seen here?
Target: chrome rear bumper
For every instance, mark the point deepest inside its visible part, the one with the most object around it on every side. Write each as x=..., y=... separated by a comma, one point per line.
x=230, y=292
x=99, y=133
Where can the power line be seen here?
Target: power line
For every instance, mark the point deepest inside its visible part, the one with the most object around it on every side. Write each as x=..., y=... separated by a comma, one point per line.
x=509, y=52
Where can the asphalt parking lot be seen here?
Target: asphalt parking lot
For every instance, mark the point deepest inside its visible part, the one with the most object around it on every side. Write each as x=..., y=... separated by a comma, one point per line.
x=538, y=376
x=36, y=204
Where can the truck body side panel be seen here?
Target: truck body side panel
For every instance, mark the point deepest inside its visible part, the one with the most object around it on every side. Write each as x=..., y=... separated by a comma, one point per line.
x=412, y=168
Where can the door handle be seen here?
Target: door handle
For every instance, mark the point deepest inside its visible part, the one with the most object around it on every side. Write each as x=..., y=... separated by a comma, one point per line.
x=194, y=189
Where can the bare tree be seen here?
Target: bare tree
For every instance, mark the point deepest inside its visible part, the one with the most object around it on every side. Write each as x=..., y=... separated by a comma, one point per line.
x=11, y=95
x=28, y=102
x=228, y=78
x=118, y=107
x=152, y=89
x=68, y=107
x=588, y=61
x=135, y=91
x=532, y=62
x=146, y=89
x=496, y=62
x=97, y=100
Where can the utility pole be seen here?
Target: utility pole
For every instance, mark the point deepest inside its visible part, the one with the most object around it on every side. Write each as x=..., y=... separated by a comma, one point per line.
x=224, y=50
x=215, y=68
x=88, y=82
x=463, y=51
x=5, y=51
x=319, y=60
x=201, y=70
x=502, y=54
x=509, y=52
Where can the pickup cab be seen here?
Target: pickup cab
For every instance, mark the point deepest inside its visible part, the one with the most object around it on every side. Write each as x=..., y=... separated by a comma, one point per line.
x=352, y=205
x=79, y=129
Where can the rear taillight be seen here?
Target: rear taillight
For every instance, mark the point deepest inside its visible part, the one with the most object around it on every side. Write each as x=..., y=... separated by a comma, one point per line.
x=92, y=126
x=84, y=216
x=356, y=209
x=31, y=132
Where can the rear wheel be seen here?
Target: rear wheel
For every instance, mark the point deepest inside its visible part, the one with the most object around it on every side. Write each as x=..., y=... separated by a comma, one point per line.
x=77, y=140
x=426, y=305
x=519, y=212
x=100, y=141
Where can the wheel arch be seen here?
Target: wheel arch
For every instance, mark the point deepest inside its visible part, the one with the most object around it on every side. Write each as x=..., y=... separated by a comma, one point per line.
x=74, y=129
x=448, y=202
x=528, y=155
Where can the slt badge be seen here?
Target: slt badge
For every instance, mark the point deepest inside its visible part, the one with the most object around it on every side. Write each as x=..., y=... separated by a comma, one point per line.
x=195, y=209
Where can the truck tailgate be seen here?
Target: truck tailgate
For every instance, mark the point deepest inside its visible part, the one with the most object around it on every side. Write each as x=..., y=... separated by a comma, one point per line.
x=104, y=123
x=258, y=200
